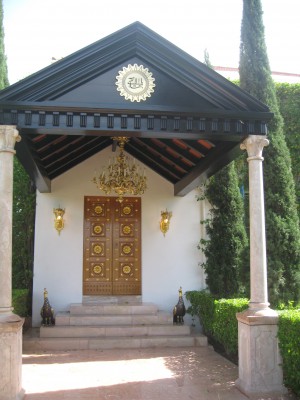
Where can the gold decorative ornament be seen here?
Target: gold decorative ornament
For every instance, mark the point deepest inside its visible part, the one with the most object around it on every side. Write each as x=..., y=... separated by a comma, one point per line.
x=122, y=176
x=97, y=229
x=126, y=249
x=59, y=222
x=98, y=209
x=97, y=269
x=126, y=269
x=126, y=210
x=126, y=229
x=165, y=221
x=97, y=249
x=135, y=83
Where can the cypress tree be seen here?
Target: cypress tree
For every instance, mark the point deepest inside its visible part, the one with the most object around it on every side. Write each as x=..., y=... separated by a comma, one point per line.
x=227, y=243
x=227, y=236
x=282, y=224
x=3, y=66
x=288, y=96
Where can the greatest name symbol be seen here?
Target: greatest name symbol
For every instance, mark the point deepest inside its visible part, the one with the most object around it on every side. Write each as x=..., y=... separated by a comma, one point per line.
x=135, y=83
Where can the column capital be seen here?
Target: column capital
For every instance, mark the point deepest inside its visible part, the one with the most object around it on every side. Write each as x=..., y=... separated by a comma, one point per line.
x=254, y=145
x=9, y=135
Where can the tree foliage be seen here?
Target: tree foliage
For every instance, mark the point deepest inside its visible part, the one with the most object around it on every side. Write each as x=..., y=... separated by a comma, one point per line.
x=23, y=227
x=288, y=96
x=227, y=241
x=282, y=224
x=3, y=65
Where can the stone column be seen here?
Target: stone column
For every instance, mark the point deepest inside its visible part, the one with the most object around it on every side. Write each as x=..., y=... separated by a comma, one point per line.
x=10, y=324
x=259, y=358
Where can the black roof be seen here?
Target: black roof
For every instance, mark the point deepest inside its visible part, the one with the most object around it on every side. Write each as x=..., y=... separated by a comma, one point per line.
x=188, y=129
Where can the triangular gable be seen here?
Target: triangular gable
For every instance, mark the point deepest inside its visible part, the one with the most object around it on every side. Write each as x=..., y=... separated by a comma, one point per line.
x=189, y=127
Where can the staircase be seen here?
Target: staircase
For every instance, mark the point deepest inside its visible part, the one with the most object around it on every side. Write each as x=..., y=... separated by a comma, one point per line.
x=111, y=325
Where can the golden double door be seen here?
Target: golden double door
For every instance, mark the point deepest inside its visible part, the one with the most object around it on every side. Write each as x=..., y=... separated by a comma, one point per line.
x=112, y=246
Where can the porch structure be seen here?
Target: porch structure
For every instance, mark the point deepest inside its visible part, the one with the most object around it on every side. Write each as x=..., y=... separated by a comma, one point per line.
x=185, y=122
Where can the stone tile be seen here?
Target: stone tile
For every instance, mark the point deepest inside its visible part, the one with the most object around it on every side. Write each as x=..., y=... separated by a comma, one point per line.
x=196, y=373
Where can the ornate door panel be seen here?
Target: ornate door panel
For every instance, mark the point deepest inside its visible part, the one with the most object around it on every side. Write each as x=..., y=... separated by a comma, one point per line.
x=127, y=247
x=112, y=246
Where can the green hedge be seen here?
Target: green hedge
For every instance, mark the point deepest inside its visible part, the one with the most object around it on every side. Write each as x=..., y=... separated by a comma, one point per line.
x=20, y=302
x=202, y=306
x=218, y=319
x=225, y=324
x=289, y=344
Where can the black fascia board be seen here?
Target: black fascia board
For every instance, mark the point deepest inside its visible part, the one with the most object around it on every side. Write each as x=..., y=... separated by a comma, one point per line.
x=142, y=109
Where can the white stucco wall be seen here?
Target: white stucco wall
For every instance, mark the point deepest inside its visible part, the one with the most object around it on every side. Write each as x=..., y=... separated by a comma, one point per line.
x=167, y=262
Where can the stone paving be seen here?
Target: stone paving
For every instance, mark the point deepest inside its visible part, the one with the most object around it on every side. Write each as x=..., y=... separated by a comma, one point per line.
x=197, y=373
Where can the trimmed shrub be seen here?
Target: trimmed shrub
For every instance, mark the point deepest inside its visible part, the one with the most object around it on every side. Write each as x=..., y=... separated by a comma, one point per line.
x=225, y=324
x=202, y=306
x=217, y=317
x=289, y=344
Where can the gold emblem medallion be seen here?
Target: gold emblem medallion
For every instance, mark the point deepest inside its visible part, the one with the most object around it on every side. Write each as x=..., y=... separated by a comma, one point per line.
x=126, y=210
x=97, y=269
x=135, y=83
x=97, y=229
x=126, y=249
x=126, y=229
x=126, y=269
x=97, y=249
x=98, y=209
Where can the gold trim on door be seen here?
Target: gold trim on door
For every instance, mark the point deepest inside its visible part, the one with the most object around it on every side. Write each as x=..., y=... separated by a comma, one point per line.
x=112, y=246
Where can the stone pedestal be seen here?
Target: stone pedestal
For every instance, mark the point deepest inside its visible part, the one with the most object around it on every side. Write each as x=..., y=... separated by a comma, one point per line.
x=10, y=324
x=260, y=371
x=11, y=357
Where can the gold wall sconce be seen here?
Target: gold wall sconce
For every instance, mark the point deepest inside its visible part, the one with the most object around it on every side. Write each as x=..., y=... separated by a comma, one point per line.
x=165, y=221
x=59, y=222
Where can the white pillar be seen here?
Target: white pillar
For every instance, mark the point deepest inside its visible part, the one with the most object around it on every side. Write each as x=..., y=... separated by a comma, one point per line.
x=10, y=324
x=258, y=258
x=259, y=358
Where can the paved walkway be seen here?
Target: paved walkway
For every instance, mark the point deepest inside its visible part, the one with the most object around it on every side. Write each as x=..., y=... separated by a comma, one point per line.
x=136, y=374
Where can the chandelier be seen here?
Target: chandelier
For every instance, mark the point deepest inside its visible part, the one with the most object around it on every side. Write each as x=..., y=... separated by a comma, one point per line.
x=122, y=176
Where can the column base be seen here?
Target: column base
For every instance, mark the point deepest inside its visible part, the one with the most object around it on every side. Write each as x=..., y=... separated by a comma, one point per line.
x=260, y=369
x=11, y=357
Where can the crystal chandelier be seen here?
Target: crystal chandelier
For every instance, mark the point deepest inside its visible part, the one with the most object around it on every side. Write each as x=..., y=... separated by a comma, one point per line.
x=122, y=176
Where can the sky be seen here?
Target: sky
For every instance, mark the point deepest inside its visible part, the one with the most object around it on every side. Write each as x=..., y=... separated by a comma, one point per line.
x=37, y=30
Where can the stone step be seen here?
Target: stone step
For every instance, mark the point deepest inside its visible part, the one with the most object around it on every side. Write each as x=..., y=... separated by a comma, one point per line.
x=111, y=325
x=66, y=318
x=37, y=345
x=112, y=299
x=113, y=331
x=113, y=308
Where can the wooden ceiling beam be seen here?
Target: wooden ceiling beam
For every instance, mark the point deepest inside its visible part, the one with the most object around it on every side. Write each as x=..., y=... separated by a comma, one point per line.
x=37, y=174
x=215, y=160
